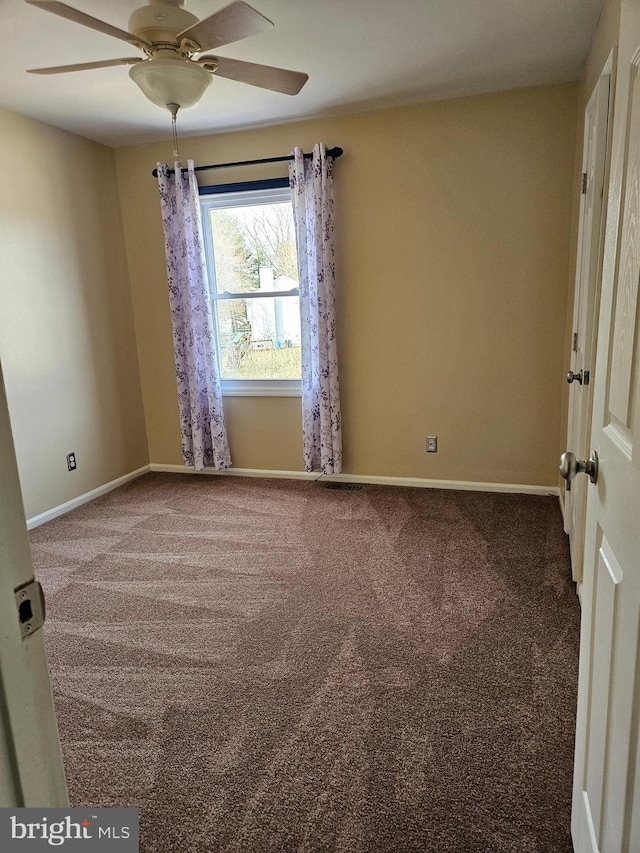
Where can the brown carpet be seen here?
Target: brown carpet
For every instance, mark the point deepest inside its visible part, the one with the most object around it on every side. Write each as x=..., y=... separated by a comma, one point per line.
x=269, y=665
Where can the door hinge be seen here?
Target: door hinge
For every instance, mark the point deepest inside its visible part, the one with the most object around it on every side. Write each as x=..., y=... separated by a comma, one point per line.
x=584, y=183
x=31, y=608
x=575, y=342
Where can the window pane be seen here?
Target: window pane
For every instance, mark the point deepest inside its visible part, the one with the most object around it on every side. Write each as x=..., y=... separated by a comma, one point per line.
x=254, y=249
x=259, y=338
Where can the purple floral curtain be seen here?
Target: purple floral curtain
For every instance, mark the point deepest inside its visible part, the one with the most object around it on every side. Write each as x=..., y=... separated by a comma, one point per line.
x=312, y=194
x=204, y=437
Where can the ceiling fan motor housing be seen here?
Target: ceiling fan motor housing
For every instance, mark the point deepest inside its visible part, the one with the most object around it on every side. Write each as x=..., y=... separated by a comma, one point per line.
x=160, y=22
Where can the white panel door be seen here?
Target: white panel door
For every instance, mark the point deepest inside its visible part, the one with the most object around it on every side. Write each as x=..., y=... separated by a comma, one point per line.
x=606, y=793
x=31, y=771
x=585, y=311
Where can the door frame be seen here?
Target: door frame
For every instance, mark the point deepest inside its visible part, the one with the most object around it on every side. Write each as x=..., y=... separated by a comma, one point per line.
x=576, y=490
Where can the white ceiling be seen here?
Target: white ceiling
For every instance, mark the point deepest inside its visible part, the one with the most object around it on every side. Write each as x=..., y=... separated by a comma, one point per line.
x=359, y=54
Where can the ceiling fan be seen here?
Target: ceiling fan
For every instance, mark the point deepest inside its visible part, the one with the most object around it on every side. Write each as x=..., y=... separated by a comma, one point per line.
x=171, y=37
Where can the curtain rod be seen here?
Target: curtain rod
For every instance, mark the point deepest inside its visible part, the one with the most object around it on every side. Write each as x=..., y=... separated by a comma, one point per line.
x=334, y=153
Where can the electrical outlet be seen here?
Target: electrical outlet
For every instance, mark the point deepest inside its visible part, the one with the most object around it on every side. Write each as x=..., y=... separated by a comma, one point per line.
x=71, y=462
x=432, y=444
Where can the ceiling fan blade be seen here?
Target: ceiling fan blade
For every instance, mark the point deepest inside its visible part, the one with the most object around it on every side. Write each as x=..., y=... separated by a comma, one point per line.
x=84, y=66
x=265, y=76
x=72, y=14
x=234, y=22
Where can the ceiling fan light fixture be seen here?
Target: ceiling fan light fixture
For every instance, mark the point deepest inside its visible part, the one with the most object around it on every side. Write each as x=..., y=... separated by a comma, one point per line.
x=170, y=37
x=171, y=81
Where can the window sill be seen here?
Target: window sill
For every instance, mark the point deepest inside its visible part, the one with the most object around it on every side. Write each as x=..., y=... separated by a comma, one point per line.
x=262, y=388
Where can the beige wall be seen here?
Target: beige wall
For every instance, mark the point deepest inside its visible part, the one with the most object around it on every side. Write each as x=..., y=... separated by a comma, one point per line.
x=453, y=227
x=67, y=344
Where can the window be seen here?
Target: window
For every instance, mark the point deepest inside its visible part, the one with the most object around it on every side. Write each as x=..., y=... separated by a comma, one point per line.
x=252, y=267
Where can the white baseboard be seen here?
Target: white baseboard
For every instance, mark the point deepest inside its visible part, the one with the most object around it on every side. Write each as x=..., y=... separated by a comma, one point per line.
x=237, y=472
x=50, y=514
x=414, y=482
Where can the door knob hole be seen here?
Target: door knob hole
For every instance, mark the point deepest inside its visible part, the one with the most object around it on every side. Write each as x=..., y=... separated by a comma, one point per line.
x=25, y=611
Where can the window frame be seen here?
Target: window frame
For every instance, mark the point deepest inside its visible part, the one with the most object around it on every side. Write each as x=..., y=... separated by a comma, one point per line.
x=275, y=191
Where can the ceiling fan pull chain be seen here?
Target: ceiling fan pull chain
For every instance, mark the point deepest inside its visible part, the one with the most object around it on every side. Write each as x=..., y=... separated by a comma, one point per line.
x=173, y=109
x=176, y=152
